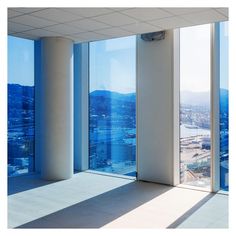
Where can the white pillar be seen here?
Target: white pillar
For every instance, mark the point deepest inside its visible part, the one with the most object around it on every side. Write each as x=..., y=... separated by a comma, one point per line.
x=155, y=117
x=55, y=106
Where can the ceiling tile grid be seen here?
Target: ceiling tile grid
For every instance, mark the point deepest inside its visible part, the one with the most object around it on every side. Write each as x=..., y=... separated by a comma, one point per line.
x=177, y=11
x=28, y=10
x=56, y=15
x=89, y=35
x=114, y=32
x=115, y=19
x=13, y=13
x=43, y=33
x=204, y=17
x=90, y=24
x=223, y=11
x=88, y=12
x=32, y=21
x=141, y=27
x=170, y=22
x=25, y=36
x=146, y=13
x=64, y=29
x=15, y=27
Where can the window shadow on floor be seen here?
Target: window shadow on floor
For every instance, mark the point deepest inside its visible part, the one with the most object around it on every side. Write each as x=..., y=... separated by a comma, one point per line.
x=191, y=211
x=25, y=182
x=102, y=209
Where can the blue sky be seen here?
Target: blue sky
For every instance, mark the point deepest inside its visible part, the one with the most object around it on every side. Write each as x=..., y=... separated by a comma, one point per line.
x=20, y=61
x=195, y=63
x=224, y=59
x=195, y=58
x=113, y=65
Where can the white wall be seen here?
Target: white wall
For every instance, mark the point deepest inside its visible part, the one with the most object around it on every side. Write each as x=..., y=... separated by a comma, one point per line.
x=155, y=132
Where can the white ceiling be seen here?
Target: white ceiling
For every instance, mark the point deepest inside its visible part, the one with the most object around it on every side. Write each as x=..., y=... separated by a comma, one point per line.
x=91, y=24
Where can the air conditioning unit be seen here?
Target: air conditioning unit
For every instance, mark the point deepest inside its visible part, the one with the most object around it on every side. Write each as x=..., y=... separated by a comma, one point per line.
x=153, y=36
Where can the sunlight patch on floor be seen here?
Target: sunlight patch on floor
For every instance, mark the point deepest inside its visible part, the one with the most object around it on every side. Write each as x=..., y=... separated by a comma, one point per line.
x=160, y=212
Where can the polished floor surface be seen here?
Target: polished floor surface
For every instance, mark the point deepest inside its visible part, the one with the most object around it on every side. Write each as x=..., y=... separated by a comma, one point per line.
x=96, y=201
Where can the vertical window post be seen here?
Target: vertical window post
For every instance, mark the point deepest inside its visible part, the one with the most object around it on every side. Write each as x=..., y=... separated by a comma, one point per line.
x=215, y=108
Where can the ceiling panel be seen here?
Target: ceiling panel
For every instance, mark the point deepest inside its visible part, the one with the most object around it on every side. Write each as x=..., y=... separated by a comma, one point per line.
x=88, y=12
x=25, y=36
x=92, y=36
x=56, y=15
x=147, y=13
x=120, y=8
x=204, y=17
x=12, y=13
x=114, y=32
x=115, y=19
x=223, y=11
x=64, y=29
x=42, y=33
x=184, y=10
x=32, y=21
x=170, y=22
x=141, y=27
x=89, y=24
x=15, y=27
x=27, y=9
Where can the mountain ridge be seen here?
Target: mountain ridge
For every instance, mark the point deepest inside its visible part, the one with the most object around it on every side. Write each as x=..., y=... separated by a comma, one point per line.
x=202, y=98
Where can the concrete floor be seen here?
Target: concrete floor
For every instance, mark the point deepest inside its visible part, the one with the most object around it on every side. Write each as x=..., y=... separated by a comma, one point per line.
x=97, y=201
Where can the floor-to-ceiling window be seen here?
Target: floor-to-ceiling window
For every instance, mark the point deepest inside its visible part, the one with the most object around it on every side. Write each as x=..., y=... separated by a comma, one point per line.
x=224, y=107
x=112, y=106
x=20, y=106
x=195, y=139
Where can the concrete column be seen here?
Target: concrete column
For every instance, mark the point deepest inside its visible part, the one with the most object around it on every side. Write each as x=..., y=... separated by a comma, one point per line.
x=155, y=117
x=55, y=109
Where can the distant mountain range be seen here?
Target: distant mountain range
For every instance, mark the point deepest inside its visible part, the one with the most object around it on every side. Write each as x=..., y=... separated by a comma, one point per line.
x=20, y=97
x=195, y=98
x=19, y=90
x=203, y=98
x=130, y=97
x=103, y=102
x=106, y=101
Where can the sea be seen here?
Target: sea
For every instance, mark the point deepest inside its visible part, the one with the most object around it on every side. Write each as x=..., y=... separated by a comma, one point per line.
x=187, y=132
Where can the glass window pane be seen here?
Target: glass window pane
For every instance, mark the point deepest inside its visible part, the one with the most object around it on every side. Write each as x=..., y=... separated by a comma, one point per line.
x=20, y=106
x=224, y=107
x=195, y=140
x=112, y=101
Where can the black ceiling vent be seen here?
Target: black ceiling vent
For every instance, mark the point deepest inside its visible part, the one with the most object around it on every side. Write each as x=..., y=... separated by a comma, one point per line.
x=153, y=36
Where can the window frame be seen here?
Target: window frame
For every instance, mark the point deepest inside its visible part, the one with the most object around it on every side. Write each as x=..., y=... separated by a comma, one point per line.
x=214, y=110
x=35, y=162
x=136, y=107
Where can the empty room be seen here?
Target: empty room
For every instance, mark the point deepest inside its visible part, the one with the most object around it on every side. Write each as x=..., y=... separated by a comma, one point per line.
x=117, y=117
